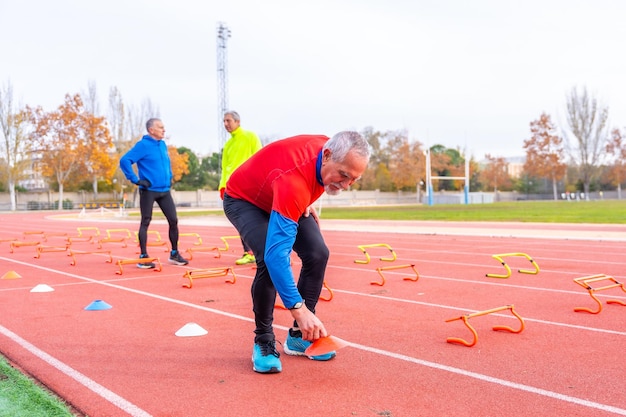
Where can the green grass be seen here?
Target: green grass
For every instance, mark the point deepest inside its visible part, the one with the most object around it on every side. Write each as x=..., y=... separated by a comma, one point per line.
x=20, y=396
x=605, y=211
x=601, y=211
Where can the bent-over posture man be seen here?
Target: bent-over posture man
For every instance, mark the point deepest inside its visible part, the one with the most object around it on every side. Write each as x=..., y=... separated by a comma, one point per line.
x=268, y=200
x=154, y=181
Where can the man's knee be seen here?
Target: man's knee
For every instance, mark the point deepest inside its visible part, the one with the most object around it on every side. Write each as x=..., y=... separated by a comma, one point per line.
x=316, y=256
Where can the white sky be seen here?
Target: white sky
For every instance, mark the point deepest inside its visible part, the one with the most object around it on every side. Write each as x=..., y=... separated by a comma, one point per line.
x=467, y=74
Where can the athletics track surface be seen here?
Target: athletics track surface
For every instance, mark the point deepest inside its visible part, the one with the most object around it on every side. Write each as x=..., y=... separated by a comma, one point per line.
x=127, y=360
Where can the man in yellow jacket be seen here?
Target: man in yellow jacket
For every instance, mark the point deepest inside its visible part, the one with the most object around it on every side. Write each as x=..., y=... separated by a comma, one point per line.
x=241, y=146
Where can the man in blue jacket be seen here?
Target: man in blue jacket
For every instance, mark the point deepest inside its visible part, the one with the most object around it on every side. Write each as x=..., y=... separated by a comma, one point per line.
x=154, y=181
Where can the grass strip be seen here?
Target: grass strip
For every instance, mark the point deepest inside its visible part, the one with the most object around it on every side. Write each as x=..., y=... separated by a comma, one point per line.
x=20, y=396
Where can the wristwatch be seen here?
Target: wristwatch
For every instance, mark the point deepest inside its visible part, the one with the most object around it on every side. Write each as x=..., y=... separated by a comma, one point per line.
x=297, y=305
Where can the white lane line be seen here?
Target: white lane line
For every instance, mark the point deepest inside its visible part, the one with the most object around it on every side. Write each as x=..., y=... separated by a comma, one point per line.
x=103, y=392
x=433, y=365
x=552, y=323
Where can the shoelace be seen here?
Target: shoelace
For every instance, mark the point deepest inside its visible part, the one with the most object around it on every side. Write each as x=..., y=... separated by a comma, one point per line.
x=269, y=348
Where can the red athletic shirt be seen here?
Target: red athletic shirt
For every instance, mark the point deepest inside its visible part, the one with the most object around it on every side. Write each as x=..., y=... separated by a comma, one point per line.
x=281, y=177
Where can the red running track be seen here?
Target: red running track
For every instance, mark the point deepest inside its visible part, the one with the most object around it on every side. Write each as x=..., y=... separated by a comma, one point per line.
x=127, y=360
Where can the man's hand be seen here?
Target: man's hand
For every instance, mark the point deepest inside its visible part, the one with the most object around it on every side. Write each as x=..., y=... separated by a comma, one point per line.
x=310, y=211
x=311, y=327
x=144, y=183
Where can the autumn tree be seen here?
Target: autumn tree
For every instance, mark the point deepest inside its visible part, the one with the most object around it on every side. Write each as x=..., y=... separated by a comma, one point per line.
x=179, y=162
x=588, y=124
x=544, y=152
x=102, y=161
x=14, y=145
x=495, y=174
x=616, y=147
x=64, y=139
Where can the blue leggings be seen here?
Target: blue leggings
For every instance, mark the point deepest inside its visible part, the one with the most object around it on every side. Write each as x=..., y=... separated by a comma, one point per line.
x=251, y=222
x=166, y=203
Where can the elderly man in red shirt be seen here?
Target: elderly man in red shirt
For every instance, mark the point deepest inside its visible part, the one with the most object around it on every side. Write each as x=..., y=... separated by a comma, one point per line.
x=268, y=199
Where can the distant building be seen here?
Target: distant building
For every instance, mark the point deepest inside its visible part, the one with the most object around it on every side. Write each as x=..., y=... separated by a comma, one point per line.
x=515, y=166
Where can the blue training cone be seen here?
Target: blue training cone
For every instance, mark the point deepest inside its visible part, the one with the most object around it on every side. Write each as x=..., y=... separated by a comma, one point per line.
x=98, y=305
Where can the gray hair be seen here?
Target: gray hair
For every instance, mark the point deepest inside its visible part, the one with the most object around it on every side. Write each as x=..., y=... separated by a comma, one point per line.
x=234, y=114
x=344, y=142
x=151, y=122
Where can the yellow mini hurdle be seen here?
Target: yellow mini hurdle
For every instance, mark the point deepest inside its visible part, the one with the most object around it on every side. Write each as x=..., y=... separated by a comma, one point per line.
x=508, y=269
x=584, y=282
x=375, y=245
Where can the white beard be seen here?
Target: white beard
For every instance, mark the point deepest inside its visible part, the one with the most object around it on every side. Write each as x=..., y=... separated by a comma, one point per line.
x=330, y=191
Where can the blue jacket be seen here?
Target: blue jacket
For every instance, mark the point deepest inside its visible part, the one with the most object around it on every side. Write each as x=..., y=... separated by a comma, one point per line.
x=153, y=163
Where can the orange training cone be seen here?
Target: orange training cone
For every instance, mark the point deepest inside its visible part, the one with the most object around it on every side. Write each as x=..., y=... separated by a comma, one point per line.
x=325, y=345
x=11, y=275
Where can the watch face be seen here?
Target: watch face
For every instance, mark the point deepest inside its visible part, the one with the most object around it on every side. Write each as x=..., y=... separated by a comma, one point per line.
x=297, y=305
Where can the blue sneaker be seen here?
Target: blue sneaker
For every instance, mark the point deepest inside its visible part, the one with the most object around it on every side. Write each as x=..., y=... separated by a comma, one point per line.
x=265, y=358
x=295, y=345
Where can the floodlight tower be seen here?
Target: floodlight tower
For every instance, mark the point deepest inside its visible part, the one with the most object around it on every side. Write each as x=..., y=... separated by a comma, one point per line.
x=223, y=33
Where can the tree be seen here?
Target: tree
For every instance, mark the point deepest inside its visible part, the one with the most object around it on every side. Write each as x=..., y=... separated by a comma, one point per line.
x=65, y=140
x=544, y=152
x=495, y=174
x=195, y=178
x=102, y=162
x=15, y=147
x=407, y=165
x=616, y=147
x=179, y=162
x=588, y=124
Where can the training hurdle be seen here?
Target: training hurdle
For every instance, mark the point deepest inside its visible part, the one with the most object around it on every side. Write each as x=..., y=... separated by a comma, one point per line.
x=209, y=273
x=465, y=318
x=73, y=254
x=330, y=293
x=121, y=262
x=157, y=241
x=215, y=249
x=46, y=235
x=225, y=240
x=85, y=234
x=387, y=268
x=19, y=243
x=324, y=287
x=584, y=282
x=198, y=241
x=41, y=249
x=113, y=235
x=508, y=269
x=33, y=232
x=375, y=245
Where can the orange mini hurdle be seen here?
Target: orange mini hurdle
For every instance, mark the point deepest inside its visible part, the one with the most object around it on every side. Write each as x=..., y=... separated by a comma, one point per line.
x=387, y=268
x=208, y=273
x=73, y=254
x=42, y=248
x=121, y=262
x=584, y=282
x=465, y=318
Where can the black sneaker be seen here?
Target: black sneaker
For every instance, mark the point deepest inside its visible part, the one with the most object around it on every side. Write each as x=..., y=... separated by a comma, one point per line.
x=176, y=259
x=146, y=265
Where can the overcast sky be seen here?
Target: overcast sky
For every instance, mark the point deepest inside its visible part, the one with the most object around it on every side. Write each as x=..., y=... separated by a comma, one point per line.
x=464, y=74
